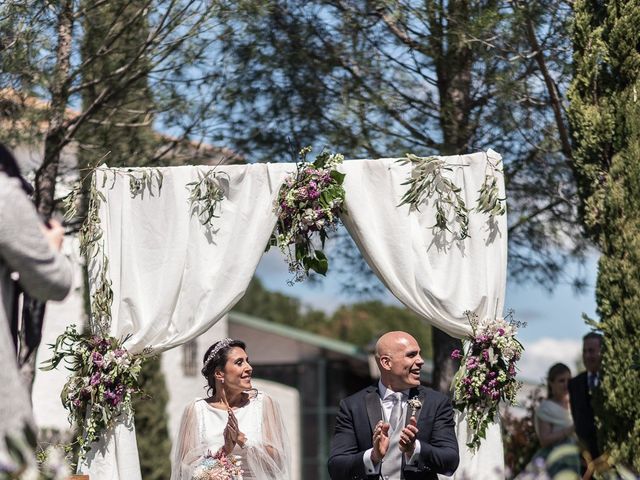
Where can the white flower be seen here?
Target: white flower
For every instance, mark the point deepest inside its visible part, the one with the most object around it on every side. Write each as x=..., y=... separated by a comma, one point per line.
x=308, y=217
x=415, y=404
x=493, y=358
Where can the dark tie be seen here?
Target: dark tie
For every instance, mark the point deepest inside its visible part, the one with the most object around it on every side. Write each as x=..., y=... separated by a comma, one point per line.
x=593, y=381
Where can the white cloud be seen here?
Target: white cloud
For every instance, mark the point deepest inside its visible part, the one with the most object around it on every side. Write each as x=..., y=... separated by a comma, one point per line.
x=540, y=354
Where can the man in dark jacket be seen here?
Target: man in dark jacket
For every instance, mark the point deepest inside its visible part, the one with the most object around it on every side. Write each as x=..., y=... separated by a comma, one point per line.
x=581, y=389
x=396, y=429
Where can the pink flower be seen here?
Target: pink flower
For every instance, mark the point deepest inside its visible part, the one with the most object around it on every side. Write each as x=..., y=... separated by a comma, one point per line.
x=95, y=379
x=456, y=354
x=97, y=359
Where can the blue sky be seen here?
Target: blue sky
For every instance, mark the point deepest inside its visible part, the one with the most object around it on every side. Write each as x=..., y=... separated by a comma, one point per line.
x=554, y=319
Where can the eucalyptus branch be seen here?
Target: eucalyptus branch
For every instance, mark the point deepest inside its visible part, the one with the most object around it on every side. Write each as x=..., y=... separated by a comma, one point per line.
x=489, y=200
x=142, y=179
x=427, y=181
x=206, y=196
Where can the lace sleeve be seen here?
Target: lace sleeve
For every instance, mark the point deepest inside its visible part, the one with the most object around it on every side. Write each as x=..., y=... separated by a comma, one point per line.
x=269, y=459
x=187, y=449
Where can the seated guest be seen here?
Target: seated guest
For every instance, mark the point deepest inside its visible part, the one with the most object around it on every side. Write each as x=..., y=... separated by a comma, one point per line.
x=558, y=456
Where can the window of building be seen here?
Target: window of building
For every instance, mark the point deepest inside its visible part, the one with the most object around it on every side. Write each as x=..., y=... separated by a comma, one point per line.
x=190, y=358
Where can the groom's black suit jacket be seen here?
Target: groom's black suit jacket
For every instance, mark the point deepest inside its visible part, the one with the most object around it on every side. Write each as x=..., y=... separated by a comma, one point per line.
x=582, y=413
x=359, y=415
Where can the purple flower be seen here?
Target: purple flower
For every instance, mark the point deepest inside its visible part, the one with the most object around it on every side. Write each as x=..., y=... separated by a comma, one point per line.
x=485, y=355
x=111, y=397
x=119, y=352
x=97, y=359
x=501, y=331
x=456, y=354
x=77, y=403
x=95, y=379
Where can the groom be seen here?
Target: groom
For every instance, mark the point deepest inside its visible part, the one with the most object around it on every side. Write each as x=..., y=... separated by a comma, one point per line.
x=396, y=429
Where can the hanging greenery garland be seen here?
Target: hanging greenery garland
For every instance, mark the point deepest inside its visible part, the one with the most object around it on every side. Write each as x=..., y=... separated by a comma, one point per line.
x=429, y=181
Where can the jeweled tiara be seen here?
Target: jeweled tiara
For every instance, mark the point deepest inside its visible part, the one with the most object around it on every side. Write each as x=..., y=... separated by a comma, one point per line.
x=219, y=346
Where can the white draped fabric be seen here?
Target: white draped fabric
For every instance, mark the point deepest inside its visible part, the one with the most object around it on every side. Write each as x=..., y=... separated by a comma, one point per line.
x=172, y=278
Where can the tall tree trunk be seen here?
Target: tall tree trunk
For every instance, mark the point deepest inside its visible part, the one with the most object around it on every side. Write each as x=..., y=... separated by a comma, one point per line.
x=453, y=71
x=46, y=181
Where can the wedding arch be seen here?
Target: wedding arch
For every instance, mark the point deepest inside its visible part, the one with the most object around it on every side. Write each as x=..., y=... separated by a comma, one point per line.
x=169, y=277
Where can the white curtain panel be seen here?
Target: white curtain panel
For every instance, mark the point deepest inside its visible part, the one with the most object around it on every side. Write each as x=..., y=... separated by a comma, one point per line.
x=172, y=278
x=435, y=276
x=427, y=270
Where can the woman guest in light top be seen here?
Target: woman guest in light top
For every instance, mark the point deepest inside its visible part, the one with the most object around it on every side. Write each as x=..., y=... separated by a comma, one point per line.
x=559, y=453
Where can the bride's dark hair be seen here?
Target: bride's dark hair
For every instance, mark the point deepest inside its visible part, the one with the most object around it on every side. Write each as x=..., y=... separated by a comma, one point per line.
x=218, y=360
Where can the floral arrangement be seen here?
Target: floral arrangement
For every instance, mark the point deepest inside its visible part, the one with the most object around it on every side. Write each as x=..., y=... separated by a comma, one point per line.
x=219, y=466
x=487, y=373
x=104, y=377
x=308, y=206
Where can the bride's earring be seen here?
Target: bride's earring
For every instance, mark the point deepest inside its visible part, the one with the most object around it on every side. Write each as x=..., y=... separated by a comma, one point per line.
x=222, y=380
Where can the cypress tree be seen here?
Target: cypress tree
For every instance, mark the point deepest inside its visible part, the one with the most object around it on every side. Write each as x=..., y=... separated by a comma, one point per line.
x=121, y=132
x=605, y=118
x=154, y=445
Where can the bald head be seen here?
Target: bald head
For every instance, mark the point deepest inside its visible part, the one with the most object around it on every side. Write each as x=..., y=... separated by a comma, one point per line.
x=399, y=361
x=392, y=342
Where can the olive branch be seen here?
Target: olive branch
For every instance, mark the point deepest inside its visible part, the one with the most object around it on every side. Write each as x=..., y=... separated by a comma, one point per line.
x=206, y=196
x=428, y=181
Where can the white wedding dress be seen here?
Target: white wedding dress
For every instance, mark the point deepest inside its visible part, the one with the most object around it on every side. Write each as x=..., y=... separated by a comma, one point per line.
x=265, y=455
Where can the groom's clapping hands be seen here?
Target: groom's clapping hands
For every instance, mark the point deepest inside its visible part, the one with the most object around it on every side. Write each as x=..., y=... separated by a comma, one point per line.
x=380, y=442
x=408, y=437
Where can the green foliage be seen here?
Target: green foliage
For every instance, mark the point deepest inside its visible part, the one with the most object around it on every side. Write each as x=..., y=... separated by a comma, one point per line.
x=121, y=131
x=427, y=183
x=379, y=79
x=359, y=323
x=605, y=115
x=206, y=195
x=519, y=437
x=152, y=432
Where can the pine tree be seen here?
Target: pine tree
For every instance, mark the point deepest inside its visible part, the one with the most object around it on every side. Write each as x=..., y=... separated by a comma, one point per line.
x=605, y=117
x=377, y=79
x=152, y=433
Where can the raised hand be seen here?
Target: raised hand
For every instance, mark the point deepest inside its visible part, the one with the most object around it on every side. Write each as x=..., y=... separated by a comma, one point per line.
x=408, y=436
x=380, y=442
x=232, y=434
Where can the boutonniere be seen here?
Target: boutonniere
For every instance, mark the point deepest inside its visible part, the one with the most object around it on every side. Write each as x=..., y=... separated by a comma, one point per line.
x=415, y=405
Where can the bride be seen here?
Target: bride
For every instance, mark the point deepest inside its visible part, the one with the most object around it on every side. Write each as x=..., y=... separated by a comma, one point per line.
x=235, y=422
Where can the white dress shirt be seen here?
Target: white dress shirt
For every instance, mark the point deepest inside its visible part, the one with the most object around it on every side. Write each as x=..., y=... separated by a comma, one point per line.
x=386, y=402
